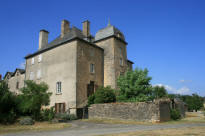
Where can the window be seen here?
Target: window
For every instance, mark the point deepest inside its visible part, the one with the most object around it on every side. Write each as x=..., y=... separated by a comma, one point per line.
x=39, y=74
x=60, y=107
x=92, y=68
x=120, y=50
x=39, y=58
x=32, y=61
x=121, y=62
x=31, y=76
x=58, y=88
x=17, y=85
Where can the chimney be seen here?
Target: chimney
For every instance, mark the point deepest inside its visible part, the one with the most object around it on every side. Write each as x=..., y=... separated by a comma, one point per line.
x=65, y=27
x=0, y=77
x=43, y=38
x=86, y=28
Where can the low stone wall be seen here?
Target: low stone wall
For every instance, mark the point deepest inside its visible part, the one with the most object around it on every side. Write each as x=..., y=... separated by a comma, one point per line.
x=156, y=111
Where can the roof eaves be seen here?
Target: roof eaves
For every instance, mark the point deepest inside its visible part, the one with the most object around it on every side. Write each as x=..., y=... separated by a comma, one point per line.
x=111, y=37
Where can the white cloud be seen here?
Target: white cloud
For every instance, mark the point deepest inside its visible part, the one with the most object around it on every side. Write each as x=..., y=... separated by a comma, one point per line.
x=184, y=81
x=22, y=65
x=170, y=89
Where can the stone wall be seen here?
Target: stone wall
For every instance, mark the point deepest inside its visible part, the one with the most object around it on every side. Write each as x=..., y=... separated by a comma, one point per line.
x=157, y=111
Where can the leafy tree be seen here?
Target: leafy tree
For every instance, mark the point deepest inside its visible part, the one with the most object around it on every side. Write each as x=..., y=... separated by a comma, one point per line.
x=33, y=97
x=159, y=92
x=8, y=105
x=194, y=101
x=102, y=95
x=134, y=86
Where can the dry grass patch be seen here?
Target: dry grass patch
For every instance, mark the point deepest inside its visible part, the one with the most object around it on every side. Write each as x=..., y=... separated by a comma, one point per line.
x=194, y=131
x=117, y=121
x=38, y=126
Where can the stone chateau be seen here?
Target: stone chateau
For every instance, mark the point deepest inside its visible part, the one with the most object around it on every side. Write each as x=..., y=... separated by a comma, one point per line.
x=74, y=64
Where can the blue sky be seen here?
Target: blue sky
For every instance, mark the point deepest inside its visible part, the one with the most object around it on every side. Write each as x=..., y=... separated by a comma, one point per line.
x=165, y=36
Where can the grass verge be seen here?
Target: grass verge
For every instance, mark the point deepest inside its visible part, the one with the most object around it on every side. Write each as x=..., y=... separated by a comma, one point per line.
x=38, y=126
x=193, y=131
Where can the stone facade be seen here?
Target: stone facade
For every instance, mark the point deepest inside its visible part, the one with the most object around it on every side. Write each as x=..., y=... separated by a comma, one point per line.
x=15, y=80
x=76, y=63
x=157, y=111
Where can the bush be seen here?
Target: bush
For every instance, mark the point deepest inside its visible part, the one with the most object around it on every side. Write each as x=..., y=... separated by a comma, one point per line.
x=33, y=97
x=26, y=121
x=8, y=104
x=63, y=117
x=48, y=114
x=102, y=95
x=175, y=114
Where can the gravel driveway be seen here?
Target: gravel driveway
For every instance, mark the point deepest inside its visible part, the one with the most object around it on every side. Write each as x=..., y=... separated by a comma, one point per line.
x=80, y=128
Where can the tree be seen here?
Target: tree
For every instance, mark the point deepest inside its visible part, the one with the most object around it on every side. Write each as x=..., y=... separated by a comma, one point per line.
x=159, y=92
x=8, y=105
x=134, y=86
x=33, y=97
x=102, y=95
x=194, y=101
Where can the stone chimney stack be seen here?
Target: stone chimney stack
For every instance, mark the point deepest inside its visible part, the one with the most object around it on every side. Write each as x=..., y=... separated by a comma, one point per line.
x=43, y=38
x=65, y=27
x=86, y=28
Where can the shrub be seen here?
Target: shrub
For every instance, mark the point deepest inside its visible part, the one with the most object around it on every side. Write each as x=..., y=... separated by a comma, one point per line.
x=33, y=97
x=26, y=121
x=63, y=117
x=175, y=114
x=102, y=95
x=8, y=104
x=73, y=117
x=48, y=114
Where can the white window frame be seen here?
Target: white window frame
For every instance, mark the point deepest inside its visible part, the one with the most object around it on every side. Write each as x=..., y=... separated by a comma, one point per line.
x=92, y=68
x=40, y=58
x=32, y=61
x=59, y=87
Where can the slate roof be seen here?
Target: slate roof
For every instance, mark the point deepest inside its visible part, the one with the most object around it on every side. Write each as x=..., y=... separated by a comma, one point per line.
x=108, y=31
x=73, y=34
x=10, y=73
x=22, y=71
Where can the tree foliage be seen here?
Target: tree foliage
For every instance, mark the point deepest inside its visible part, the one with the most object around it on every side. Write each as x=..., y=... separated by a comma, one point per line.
x=33, y=97
x=8, y=105
x=102, y=95
x=159, y=92
x=194, y=101
x=134, y=86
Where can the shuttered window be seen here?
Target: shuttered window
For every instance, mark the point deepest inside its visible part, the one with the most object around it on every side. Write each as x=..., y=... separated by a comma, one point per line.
x=60, y=107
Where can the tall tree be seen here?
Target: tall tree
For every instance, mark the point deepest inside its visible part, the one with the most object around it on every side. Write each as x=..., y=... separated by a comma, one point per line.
x=33, y=97
x=134, y=85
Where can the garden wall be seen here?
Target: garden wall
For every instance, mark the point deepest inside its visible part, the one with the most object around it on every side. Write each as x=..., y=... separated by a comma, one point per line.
x=157, y=111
